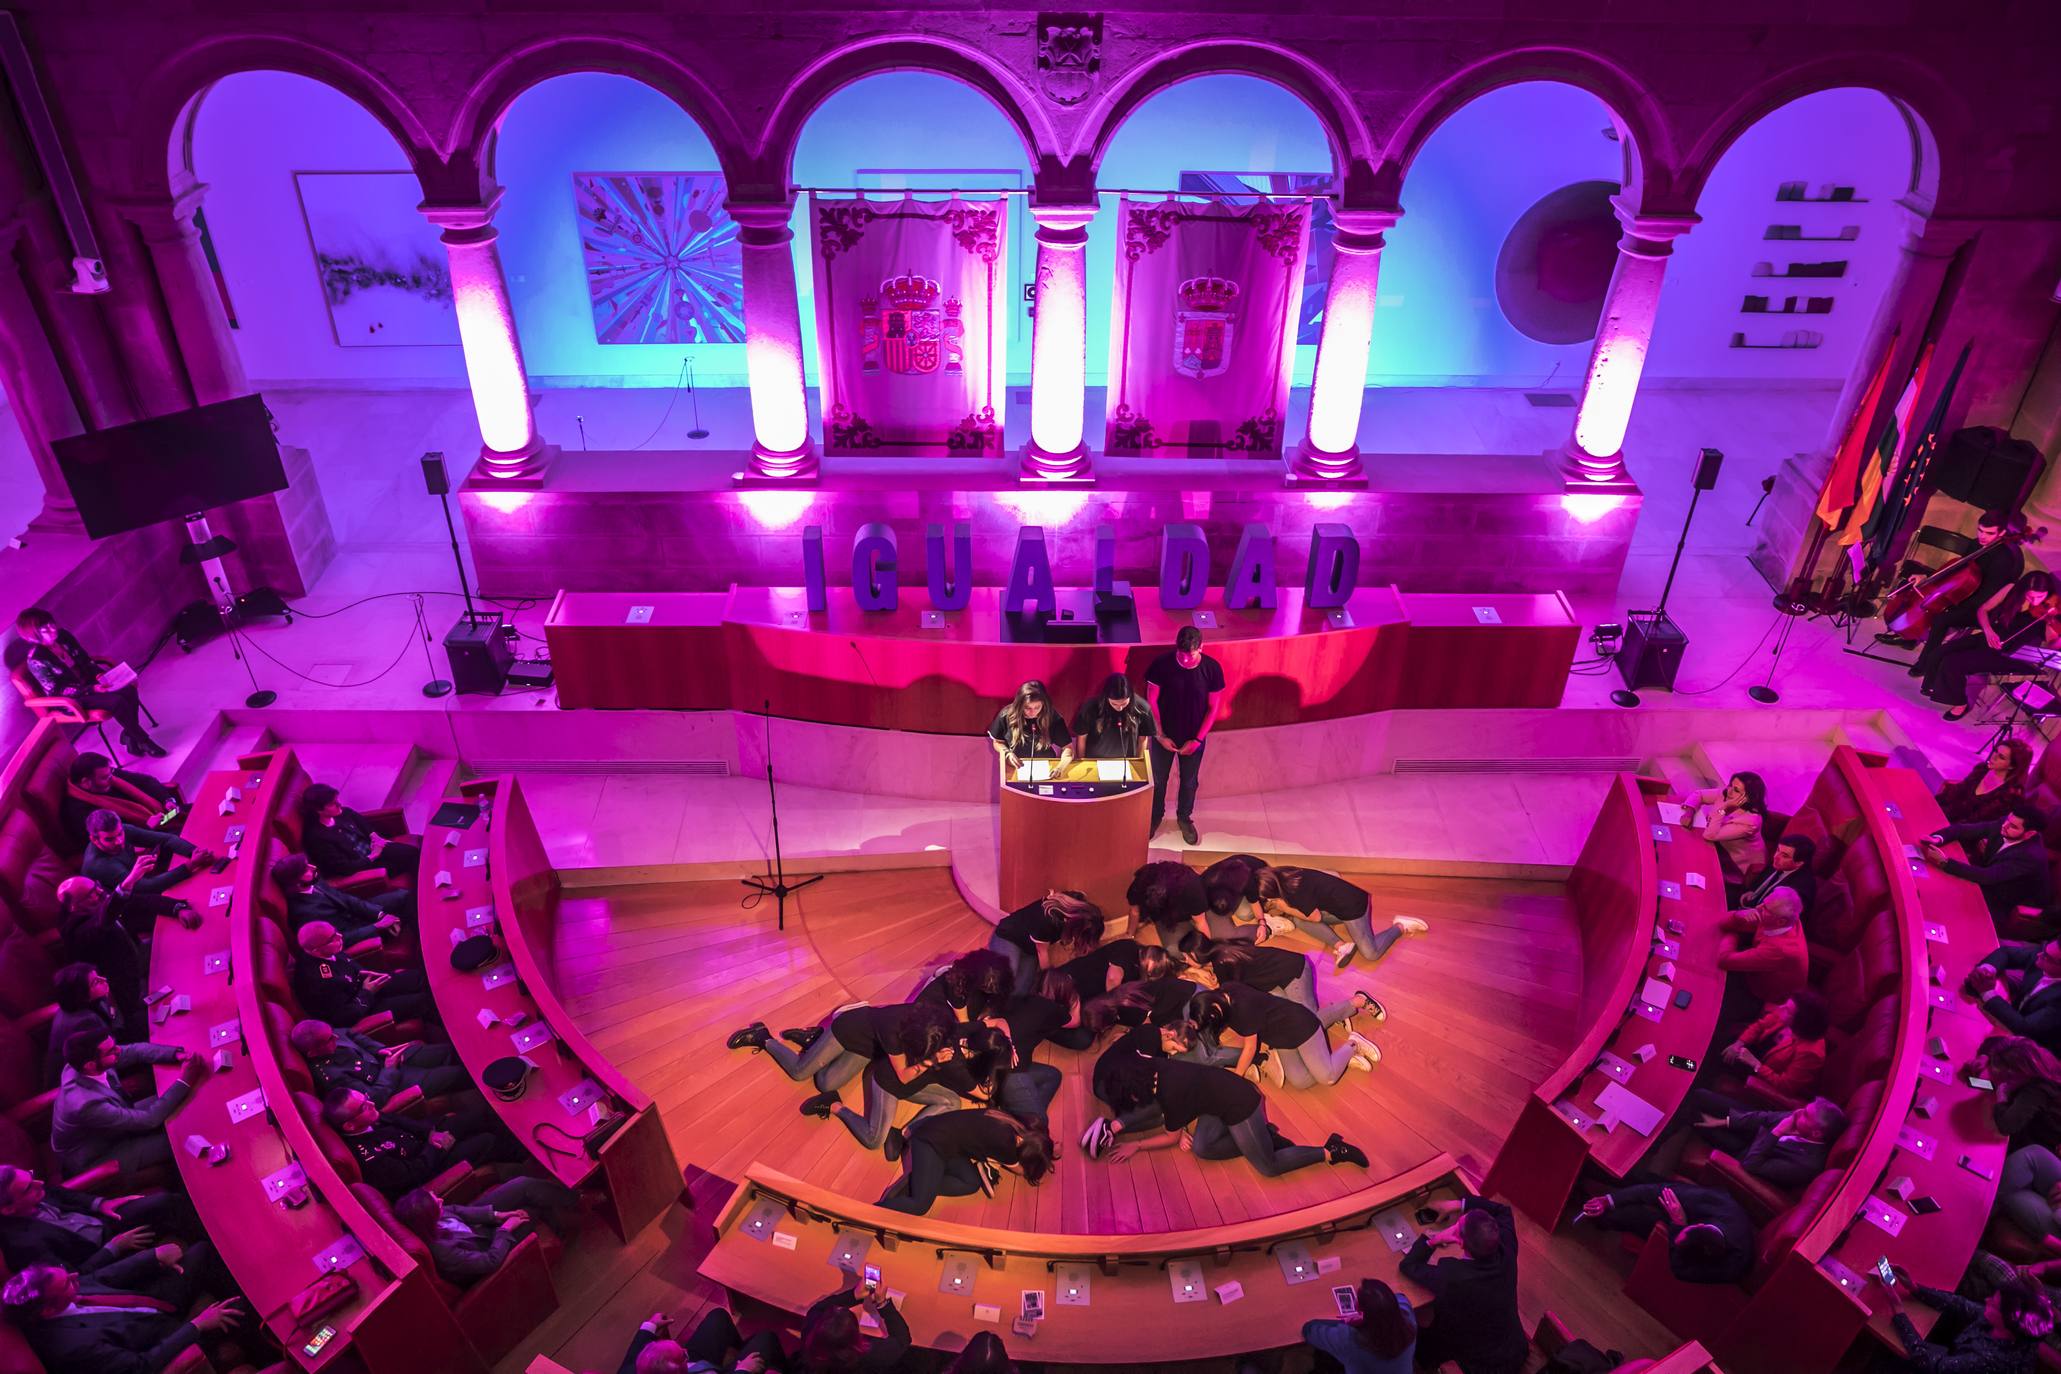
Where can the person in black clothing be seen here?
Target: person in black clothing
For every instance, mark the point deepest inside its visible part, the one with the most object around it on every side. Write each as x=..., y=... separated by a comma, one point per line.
x=836, y=1053
x=2006, y=858
x=1999, y=1336
x=1030, y=727
x=82, y=1232
x=1185, y=688
x=61, y=667
x=972, y=986
x=396, y=1153
x=95, y=784
x=1170, y=897
x=126, y=861
x=1292, y=1034
x=1103, y=968
x=2025, y=620
x=1333, y=912
x=716, y=1344
x=1999, y=563
x=330, y=985
x=1786, y=1149
x=1270, y=968
x=1222, y=1115
x=1225, y=885
x=1114, y=724
x=1710, y=1237
x=2020, y=988
x=342, y=842
x=1789, y=865
x=72, y=1333
x=1057, y=927
x=90, y=924
x=1474, y=1293
x=355, y=918
x=345, y=1059
x=83, y=1004
x=958, y=1071
x=955, y=1154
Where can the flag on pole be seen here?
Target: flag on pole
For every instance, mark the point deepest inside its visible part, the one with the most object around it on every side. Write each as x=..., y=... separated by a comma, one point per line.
x=1881, y=473
x=1910, y=479
x=1843, y=482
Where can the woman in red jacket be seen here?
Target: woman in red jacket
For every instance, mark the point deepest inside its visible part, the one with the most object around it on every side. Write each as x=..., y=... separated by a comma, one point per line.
x=1784, y=1051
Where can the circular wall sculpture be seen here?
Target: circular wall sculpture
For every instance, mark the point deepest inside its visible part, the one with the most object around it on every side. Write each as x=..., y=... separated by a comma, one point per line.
x=1555, y=265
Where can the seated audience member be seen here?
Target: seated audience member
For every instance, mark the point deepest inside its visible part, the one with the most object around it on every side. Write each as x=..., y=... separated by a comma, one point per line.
x=984, y=1354
x=1788, y=866
x=1474, y=1292
x=1786, y=1149
x=338, y=1057
x=1031, y=727
x=61, y=667
x=469, y=1242
x=94, y=1119
x=138, y=799
x=44, y=1225
x=2020, y=988
x=1993, y=786
x=1784, y=1051
x=83, y=1004
x=90, y=924
x=331, y=986
x=1999, y=1336
x=396, y=1154
x=125, y=862
x=2006, y=858
x=716, y=1344
x=342, y=842
x=2027, y=1106
x=1116, y=724
x=1732, y=822
x=1764, y=954
x=308, y=898
x=1381, y=1340
x=2026, y=1191
x=1710, y=1237
x=654, y=1351
x=95, y=1323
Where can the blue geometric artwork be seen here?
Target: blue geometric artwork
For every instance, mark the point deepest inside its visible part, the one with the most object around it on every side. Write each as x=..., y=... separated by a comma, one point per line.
x=384, y=273
x=663, y=262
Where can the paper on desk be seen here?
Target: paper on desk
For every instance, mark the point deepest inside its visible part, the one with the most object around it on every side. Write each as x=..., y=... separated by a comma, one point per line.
x=1917, y=1142
x=1111, y=770
x=1672, y=812
x=342, y=1255
x=1630, y=1108
x=1890, y=1219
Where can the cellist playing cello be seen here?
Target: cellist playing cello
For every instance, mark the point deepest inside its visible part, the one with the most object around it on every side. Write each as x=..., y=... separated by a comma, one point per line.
x=2026, y=617
x=1996, y=564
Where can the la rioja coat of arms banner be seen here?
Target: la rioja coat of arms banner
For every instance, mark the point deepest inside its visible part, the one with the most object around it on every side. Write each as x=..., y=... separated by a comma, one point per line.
x=1202, y=335
x=910, y=324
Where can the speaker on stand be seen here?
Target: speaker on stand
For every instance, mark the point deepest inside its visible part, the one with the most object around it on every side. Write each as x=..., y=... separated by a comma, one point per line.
x=1654, y=644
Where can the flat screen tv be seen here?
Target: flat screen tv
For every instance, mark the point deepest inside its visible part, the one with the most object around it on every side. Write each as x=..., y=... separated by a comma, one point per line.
x=171, y=466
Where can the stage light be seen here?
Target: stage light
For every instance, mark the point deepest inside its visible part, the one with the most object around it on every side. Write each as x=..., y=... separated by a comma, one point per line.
x=1328, y=500
x=1052, y=508
x=1589, y=507
x=505, y=502
x=776, y=510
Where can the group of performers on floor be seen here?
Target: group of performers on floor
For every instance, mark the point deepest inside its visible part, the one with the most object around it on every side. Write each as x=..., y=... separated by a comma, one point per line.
x=1975, y=616
x=1193, y=1015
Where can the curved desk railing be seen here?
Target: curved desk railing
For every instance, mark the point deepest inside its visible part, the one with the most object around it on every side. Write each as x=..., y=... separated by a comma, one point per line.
x=1105, y=1297
x=501, y=883
x=277, y=1212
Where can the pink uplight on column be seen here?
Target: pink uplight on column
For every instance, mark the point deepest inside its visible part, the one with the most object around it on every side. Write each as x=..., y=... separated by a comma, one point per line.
x=1330, y=449
x=511, y=452
x=780, y=449
x=1623, y=335
x=1058, y=448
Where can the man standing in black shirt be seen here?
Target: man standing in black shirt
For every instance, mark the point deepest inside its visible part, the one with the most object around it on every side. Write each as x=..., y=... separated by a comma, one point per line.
x=1114, y=724
x=1184, y=688
x=1477, y=1326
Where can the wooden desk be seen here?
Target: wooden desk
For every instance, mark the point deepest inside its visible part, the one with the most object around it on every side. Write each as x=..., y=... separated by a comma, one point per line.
x=501, y=875
x=1088, y=844
x=844, y=666
x=395, y=1320
x=1131, y=1316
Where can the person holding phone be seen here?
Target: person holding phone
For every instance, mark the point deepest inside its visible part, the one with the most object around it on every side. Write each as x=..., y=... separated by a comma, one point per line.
x=1474, y=1292
x=2000, y=1335
x=2026, y=1078
x=1379, y=1336
x=133, y=864
x=95, y=784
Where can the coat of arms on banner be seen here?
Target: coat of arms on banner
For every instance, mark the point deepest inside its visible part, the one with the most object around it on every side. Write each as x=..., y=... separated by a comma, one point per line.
x=1203, y=326
x=906, y=330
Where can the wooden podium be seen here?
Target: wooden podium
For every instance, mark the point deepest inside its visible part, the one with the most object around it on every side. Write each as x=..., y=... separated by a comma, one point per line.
x=1084, y=827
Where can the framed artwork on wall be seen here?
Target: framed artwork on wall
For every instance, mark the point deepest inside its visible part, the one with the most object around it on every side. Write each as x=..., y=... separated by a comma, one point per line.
x=663, y=262
x=1244, y=188
x=381, y=266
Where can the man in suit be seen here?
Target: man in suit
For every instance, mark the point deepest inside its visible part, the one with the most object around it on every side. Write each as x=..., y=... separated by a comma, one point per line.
x=345, y=1059
x=2020, y=988
x=1710, y=1237
x=43, y=1225
x=1789, y=866
x=2006, y=858
x=653, y=1349
x=1478, y=1327
x=94, y=1119
x=310, y=899
x=396, y=1154
x=114, y=855
x=329, y=984
x=99, y=1324
x=469, y=1242
x=89, y=921
x=1786, y=1149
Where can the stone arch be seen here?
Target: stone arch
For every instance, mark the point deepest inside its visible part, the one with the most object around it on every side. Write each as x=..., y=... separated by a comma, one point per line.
x=1318, y=89
x=1640, y=124
x=836, y=70
x=503, y=83
x=162, y=120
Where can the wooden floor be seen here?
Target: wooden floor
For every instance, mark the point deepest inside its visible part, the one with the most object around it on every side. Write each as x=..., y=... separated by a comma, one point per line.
x=1479, y=1011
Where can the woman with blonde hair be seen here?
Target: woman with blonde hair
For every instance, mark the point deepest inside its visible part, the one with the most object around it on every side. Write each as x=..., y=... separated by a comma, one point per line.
x=1045, y=934
x=1031, y=727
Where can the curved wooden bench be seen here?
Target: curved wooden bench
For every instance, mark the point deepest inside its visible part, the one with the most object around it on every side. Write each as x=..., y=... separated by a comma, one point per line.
x=1129, y=1281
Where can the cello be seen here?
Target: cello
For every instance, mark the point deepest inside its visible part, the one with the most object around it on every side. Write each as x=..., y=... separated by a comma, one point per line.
x=1916, y=606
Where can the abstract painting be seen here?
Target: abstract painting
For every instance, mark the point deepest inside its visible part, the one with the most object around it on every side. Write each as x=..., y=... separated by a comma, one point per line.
x=663, y=262
x=382, y=266
x=1236, y=187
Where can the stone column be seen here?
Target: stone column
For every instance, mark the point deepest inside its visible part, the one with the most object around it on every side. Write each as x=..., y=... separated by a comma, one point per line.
x=511, y=453
x=1611, y=384
x=1330, y=450
x=1058, y=449
x=214, y=367
x=35, y=384
x=780, y=449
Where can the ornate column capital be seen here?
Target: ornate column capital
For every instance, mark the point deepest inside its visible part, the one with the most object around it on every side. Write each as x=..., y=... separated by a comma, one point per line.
x=1363, y=231
x=1063, y=224
x=763, y=223
x=1651, y=233
x=164, y=218
x=465, y=222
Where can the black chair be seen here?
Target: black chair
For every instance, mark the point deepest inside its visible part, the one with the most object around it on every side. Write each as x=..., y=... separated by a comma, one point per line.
x=1931, y=537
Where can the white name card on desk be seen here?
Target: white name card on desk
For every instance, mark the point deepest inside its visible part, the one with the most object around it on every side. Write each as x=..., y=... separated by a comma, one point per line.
x=1230, y=1291
x=1655, y=993
x=638, y=615
x=1663, y=834
x=531, y=1036
x=475, y=857
x=783, y=1240
x=1890, y=1219
x=1671, y=812
x=1630, y=1108
x=1670, y=889
x=443, y=878
x=247, y=1106
x=1488, y=615
x=342, y=1255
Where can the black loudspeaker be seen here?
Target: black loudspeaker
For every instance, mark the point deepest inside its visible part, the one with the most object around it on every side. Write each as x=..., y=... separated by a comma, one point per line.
x=480, y=654
x=434, y=476
x=1652, y=650
x=1707, y=464
x=1988, y=469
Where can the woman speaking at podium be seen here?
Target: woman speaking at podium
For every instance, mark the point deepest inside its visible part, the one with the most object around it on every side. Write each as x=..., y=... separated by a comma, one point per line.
x=1030, y=727
x=1116, y=723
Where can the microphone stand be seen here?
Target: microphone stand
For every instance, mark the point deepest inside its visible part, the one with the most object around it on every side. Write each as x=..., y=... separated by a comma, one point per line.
x=777, y=884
